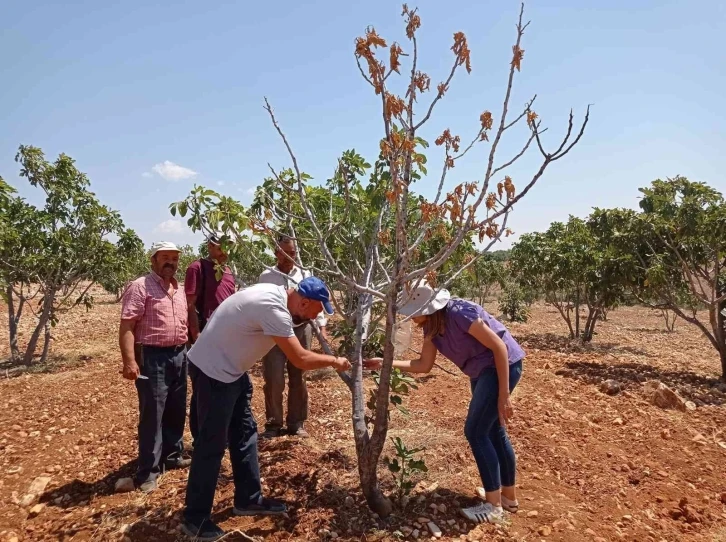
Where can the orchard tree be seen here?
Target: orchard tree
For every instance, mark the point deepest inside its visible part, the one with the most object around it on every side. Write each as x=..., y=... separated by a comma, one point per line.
x=573, y=269
x=676, y=248
x=374, y=248
x=51, y=256
x=131, y=263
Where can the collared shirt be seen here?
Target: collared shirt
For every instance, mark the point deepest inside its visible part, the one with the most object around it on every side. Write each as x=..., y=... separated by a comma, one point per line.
x=161, y=318
x=277, y=277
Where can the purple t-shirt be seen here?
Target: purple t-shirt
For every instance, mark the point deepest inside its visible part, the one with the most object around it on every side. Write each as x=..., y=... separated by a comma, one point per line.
x=467, y=353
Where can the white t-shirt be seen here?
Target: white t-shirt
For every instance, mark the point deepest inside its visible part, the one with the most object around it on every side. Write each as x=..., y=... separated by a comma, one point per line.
x=241, y=331
x=275, y=276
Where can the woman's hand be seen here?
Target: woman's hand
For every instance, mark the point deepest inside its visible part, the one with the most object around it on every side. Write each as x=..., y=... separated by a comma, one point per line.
x=373, y=363
x=505, y=409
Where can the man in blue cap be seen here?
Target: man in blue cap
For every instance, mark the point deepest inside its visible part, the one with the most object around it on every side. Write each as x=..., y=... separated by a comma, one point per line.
x=242, y=330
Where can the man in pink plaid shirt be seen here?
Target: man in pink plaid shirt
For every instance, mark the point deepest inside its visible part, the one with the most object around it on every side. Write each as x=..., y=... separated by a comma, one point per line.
x=152, y=337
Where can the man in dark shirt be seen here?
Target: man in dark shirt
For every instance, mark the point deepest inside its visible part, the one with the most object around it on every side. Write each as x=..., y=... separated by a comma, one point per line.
x=204, y=294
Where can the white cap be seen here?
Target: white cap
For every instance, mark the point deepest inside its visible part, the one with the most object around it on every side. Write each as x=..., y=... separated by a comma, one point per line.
x=424, y=300
x=164, y=245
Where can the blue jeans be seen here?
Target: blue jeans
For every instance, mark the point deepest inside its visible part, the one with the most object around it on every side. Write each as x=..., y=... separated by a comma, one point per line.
x=162, y=409
x=224, y=418
x=488, y=439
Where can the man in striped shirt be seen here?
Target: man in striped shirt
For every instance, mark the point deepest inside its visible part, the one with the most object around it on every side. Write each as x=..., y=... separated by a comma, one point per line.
x=152, y=337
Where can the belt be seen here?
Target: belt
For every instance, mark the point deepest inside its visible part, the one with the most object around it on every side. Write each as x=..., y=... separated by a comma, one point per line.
x=176, y=348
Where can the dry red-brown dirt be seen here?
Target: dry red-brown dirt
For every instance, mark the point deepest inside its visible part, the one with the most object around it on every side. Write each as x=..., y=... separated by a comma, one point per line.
x=591, y=466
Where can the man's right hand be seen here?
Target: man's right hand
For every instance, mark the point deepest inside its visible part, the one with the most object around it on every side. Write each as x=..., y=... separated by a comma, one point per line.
x=341, y=364
x=131, y=370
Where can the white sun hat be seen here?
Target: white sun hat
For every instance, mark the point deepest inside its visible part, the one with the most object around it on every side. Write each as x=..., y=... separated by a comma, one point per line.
x=424, y=300
x=164, y=245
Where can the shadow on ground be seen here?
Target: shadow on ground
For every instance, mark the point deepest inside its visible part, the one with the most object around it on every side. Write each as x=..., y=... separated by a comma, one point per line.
x=700, y=389
x=551, y=342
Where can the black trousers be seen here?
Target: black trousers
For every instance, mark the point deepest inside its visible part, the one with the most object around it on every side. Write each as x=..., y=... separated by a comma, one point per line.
x=224, y=418
x=162, y=408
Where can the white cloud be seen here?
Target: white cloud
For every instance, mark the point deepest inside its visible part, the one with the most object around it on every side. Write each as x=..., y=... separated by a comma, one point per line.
x=251, y=190
x=146, y=174
x=173, y=172
x=171, y=226
x=220, y=183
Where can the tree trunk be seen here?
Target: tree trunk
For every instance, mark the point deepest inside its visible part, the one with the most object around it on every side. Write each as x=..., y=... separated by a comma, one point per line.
x=577, y=313
x=367, y=450
x=43, y=320
x=46, y=343
x=13, y=321
x=592, y=317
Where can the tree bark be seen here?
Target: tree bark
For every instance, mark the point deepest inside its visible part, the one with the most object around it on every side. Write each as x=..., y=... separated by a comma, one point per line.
x=13, y=321
x=367, y=451
x=46, y=343
x=44, y=318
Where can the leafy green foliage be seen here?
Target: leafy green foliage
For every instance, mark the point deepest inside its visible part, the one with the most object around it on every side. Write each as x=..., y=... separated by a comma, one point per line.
x=404, y=465
x=574, y=268
x=513, y=303
x=51, y=256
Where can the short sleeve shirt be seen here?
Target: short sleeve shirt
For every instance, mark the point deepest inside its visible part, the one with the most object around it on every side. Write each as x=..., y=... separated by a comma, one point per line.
x=161, y=318
x=275, y=276
x=241, y=331
x=215, y=291
x=463, y=349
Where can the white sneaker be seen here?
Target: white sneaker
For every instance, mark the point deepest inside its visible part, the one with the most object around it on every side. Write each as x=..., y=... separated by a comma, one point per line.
x=510, y=506
x=484, y=512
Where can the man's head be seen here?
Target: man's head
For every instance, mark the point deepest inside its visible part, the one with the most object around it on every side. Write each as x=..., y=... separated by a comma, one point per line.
x=308, y=299
x=165, y=259
x=214, y=248
x=286, y=253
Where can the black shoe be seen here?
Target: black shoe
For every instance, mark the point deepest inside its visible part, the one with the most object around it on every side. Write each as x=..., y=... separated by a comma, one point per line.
x=208, y=530
x=271, y=432
x=264, y=507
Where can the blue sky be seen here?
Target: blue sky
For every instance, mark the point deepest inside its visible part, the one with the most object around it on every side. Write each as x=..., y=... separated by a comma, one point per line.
x=152, y=97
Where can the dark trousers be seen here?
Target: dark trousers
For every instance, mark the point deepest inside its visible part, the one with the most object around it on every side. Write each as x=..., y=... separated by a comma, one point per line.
x=162, y=409
x=224, y=416
x=489, y=441
x=193, y=425
x=273, y=371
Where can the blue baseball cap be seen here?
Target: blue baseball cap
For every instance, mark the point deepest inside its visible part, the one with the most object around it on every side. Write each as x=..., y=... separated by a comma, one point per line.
x=314, y=288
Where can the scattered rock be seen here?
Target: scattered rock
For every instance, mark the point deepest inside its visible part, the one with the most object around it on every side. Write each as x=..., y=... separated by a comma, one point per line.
x=618, y=421
x=124, y=485
x=611, y=387
x=37, y=509
x=690, y=405
x=561, y=525
x=422, y=520
x=415, y=533
x=39, y=484
x=125, y=528
x=442, y=508
x=663, y=397
x=333, y=535
x=532, y=514
x=545, y=530
x=434, y=529
x=349, y=501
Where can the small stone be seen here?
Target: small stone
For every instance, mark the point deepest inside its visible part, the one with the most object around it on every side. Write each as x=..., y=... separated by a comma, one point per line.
x=37, y=509
x=561, y=525
x=545, y=530
x=618, y=421
x=690, y=405
x=451, y=522
x=627, y=517
x=12, y=537
x=333, y=535
x=422, y=520
x=124, y=485
x=349, y=501
x=435, y=531
x=415, y=533
x=590, y=532
x=532, y=514
x=34, y=434
x=442, y=508
x=610, y=387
